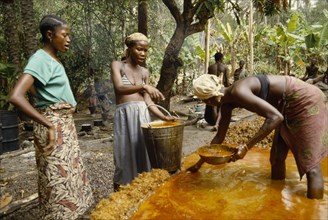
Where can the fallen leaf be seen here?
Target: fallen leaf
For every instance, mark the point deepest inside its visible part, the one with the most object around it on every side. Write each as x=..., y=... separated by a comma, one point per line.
x=3, y=184
x=5, y=200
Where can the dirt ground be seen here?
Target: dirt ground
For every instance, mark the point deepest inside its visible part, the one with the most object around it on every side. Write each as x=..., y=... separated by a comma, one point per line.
x=18, y=168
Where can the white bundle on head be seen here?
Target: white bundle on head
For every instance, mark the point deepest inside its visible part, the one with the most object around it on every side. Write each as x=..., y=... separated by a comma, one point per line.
x=207, y=86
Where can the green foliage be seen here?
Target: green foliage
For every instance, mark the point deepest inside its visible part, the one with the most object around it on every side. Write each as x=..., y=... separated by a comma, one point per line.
x=200, y=52
x=98, y=29
x=270, y=7
x=8, y=76
x=192, y=55
x=265, y=68
x=207, y=8
x=311, y=40
x=285, y=42
x=323, y=42
x=315, y=39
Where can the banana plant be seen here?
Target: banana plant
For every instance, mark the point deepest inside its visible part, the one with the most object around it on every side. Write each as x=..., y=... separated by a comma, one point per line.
x=8, y=76
x=233, y=38
x=287, y=42
x=317, y=36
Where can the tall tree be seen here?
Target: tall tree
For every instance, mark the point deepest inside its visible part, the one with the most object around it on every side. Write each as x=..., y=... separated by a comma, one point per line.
x=192, y=19
x=11, y=32
x=29, y=27
x=142, y=17
x=185, y=26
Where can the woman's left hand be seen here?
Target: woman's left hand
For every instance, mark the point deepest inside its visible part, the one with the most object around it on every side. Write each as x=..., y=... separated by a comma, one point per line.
x=154, y=93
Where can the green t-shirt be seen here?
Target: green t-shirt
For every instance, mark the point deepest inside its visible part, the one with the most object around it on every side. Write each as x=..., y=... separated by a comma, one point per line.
x=52, y=84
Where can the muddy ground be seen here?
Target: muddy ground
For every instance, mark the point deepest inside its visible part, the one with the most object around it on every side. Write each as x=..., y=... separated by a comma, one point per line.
x=18, y=168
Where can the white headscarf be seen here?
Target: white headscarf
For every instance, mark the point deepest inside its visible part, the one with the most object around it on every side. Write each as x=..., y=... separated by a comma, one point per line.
x=207, y=86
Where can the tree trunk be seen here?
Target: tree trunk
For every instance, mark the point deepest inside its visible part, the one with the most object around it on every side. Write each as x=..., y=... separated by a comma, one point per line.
x=171, y=62
x=185, y=26
x=142, y=17
x=29, y=27
x=11, y=33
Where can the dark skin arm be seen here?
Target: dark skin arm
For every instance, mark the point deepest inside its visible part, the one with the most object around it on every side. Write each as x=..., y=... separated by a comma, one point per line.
x=17, y=98
x=242, y=95
x=225, y=77
x=150, y=92
x=154, y=109
x=154, y=93
x=226, y=112
x=306, y=73
x=318, y=79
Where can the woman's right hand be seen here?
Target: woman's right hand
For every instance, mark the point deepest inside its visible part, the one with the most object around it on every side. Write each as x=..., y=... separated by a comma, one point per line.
x=169, y=118
x=215, y=140
x=154, y=93
x=51, y=141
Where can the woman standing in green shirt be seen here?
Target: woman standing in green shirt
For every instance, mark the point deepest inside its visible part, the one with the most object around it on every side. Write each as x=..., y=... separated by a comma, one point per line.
x=64, y=191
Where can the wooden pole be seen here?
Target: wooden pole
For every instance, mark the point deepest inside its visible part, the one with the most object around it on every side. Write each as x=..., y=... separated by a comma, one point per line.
x=207, y=46
x=251, y=52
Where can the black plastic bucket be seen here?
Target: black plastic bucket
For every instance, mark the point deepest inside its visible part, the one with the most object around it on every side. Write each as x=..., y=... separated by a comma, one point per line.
x=9, y=131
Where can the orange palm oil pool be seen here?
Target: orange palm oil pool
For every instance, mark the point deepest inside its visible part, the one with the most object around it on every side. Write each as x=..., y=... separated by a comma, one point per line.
x=239, y=190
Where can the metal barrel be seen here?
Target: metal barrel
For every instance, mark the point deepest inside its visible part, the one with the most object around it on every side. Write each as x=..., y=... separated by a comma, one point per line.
x=9, y=131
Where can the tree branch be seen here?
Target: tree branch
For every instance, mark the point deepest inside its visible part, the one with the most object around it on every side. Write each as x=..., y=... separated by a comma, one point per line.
x=189, y=10
x=195, y=28
x=187, y=5
x=174, y=9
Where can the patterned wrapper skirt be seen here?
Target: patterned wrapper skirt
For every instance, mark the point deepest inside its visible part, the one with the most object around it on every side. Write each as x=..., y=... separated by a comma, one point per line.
x=64, y=191
x=305, y=129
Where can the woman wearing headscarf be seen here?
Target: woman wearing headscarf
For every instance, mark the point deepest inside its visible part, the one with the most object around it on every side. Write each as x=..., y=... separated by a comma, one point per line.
x=133, y=95
x=296, y=110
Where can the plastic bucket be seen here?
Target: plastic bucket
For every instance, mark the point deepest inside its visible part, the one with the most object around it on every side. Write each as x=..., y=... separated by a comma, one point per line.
x=164, y=144
x=9, y=131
